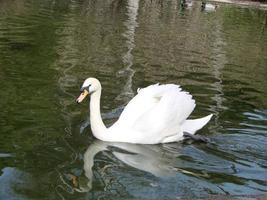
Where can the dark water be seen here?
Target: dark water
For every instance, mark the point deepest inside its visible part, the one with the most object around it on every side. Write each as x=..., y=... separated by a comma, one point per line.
x=47, y=49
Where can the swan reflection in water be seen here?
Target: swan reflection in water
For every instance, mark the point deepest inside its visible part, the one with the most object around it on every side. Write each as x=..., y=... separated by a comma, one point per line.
x=158, y=160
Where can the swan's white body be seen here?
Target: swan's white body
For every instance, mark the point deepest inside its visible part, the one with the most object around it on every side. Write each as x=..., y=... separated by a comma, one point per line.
x=157, y=114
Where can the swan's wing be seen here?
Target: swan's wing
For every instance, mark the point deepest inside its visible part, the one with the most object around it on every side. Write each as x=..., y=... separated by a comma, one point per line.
x=157, y=108
x=141, y=103
x=171, y=108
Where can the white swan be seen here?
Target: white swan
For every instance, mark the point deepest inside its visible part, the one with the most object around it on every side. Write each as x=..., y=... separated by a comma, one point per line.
x=157, y=114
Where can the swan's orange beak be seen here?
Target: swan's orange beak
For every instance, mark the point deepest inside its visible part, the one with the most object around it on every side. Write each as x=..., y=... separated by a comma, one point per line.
x=82, y=96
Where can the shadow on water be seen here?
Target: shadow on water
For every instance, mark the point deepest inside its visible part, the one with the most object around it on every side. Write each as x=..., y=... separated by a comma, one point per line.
x=47, y=48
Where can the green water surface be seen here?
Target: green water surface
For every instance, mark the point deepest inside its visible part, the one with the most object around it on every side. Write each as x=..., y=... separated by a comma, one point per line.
x=47, y=49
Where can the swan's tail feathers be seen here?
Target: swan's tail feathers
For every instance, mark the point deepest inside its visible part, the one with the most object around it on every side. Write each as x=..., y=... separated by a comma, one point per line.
x=193, y=125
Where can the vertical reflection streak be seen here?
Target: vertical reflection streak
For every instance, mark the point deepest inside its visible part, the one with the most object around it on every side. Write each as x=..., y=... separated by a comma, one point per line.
x=131, y=25
x=218, y=65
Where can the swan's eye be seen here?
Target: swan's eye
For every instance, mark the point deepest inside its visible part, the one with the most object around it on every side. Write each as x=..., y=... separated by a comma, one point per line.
x=85, y=88
x=89, y=86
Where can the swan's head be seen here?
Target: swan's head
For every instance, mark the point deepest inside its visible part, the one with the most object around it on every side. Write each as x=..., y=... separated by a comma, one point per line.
x=89, y=86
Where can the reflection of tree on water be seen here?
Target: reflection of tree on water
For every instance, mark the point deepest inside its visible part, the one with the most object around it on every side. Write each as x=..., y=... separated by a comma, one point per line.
x=131, y=24
x=218, y=65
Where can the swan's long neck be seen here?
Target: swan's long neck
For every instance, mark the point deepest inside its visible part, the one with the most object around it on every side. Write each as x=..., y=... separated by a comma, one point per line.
x=97, y=125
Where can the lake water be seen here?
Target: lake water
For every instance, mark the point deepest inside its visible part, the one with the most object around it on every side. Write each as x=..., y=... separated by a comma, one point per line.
x=47, y=49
